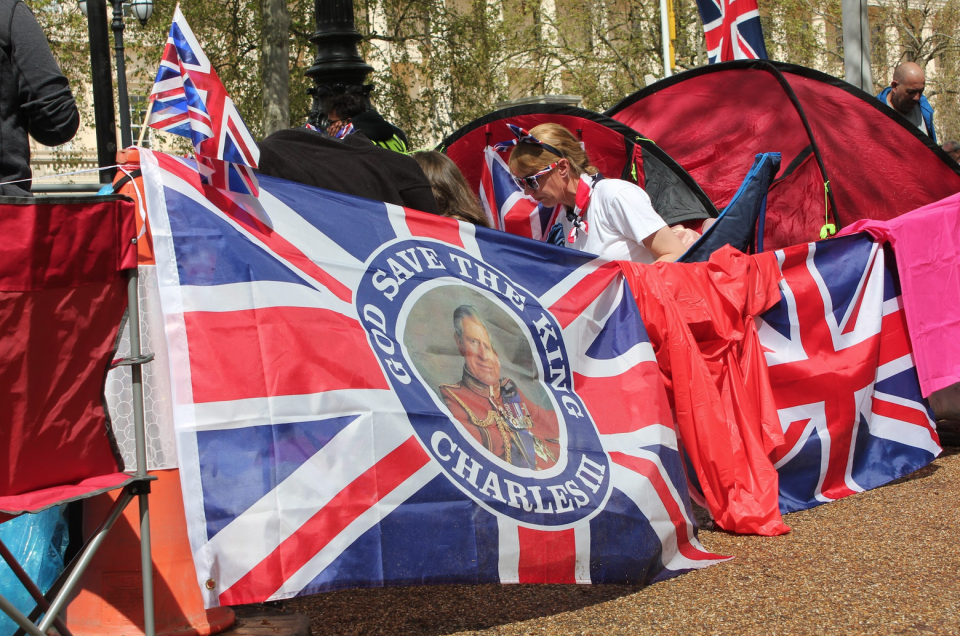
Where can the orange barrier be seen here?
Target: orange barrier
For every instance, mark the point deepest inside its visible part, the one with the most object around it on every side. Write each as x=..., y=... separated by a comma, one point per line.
x=110, y=597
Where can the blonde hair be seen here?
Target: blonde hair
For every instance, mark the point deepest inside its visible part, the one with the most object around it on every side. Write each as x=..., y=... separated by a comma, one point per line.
x=450, y=189
x=531, y=158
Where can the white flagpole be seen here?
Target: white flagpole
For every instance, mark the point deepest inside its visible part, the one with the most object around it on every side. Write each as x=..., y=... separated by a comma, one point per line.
x=146, y=121
x=665, y=38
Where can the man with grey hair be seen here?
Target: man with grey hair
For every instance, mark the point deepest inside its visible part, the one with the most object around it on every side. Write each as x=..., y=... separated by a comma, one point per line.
x=492, y=409
x=905, y=95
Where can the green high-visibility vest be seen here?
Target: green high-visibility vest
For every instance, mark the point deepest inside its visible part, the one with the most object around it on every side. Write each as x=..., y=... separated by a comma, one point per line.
x=394, y=143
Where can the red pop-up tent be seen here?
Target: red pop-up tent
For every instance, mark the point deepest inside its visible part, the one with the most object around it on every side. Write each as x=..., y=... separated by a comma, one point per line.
x=713, y=120
x=615, y=149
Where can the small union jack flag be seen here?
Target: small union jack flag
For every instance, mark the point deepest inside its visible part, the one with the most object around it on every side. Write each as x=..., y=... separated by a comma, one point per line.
x=843, y=375
x=189, y=100
x=507, y=208
x=732, y=29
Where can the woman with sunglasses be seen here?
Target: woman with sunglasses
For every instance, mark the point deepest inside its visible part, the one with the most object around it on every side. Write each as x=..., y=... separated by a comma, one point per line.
x=608, y=217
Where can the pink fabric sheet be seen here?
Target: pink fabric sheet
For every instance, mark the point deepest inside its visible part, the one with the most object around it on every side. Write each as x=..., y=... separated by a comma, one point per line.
x=926, y=243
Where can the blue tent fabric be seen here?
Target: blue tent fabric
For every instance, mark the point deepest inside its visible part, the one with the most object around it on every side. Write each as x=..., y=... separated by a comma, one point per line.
x=737, y=224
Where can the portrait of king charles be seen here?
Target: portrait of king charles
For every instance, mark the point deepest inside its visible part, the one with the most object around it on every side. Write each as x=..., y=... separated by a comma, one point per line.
x=492, y=408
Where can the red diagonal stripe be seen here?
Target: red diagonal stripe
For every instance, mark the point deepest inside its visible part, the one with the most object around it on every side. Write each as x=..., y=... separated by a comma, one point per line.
x=901, y=413
x=296, y=550
x=427, y=225
x=790, y=439
x=547, y=557
x=518, y=219
x=238, y=140
x=170, y=53
x=583, y=293
x=650, y=470
x=273, y=240
x=894, y=341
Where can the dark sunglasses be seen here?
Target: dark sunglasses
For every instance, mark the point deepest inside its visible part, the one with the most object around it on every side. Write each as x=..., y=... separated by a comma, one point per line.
x=531, y=181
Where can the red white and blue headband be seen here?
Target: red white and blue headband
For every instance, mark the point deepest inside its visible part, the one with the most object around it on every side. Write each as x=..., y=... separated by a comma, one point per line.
x=524, y=137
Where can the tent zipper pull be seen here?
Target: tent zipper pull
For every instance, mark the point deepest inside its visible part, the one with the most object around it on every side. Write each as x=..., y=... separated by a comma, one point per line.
x=828, y=229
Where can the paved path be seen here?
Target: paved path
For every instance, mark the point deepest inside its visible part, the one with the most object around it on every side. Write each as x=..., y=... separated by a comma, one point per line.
x=881, y=562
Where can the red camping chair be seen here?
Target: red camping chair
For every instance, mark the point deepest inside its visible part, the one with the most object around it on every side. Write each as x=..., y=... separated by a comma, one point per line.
x=68, y=269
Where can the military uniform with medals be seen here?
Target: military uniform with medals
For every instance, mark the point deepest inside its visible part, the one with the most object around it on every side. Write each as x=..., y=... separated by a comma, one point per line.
x=504, y=421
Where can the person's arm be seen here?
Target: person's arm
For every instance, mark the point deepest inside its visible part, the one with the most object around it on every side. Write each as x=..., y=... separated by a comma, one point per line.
x=664, y=245
x=633, y=214
x=45, y=95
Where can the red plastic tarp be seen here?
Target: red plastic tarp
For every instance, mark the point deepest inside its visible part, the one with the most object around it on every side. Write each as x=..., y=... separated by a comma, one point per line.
x=714, y=119
x=700, y=321
x=62, y=297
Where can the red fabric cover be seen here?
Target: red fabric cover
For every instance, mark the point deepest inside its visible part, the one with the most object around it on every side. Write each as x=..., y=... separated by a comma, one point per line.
x=62, y=297
x=605, y=148
x=47, y=246
x=714, y=122
x=700, y=320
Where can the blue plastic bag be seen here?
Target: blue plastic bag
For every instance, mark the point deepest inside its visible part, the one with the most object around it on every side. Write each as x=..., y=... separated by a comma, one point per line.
x=38, y=542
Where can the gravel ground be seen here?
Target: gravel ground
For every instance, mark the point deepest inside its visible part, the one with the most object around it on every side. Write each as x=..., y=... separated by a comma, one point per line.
x=881, y=562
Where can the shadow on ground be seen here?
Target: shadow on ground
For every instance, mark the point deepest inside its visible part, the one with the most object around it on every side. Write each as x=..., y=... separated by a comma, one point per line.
x=446, y=609
x=949, y=431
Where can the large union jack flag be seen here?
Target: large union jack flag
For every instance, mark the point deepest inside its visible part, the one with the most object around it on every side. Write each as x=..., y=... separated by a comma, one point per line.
x=732, y=29
x=315, y=450
x=843, y=374
x=507, y=208
x=189, y=100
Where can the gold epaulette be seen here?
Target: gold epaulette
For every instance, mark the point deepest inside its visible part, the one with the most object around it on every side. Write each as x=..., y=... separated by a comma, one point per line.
x=492, y=419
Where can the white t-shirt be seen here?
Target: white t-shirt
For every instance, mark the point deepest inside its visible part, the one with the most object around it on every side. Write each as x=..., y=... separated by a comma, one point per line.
x=618, y=218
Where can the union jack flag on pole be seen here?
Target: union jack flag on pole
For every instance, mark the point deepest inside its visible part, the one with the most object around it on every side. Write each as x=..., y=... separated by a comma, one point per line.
x=732, y=29
x=405, y=399
x=843, y=374
x=188, y=99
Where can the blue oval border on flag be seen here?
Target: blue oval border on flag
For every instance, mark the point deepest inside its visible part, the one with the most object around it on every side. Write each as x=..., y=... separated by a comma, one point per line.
x=578, y=486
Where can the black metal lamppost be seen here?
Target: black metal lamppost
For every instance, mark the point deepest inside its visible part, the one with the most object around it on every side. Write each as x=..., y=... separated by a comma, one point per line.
x=95, y=11
x=338, y=67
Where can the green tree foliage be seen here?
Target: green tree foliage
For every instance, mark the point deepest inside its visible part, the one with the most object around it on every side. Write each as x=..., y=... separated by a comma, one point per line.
x=442, y=63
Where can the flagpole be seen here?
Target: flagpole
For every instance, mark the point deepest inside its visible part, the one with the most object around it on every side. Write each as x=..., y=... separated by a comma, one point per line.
x=146, y=121
x=665, y=38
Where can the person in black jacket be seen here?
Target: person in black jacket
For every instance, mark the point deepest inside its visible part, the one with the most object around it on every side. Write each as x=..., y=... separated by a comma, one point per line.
x=352, y=165
x=35, y=97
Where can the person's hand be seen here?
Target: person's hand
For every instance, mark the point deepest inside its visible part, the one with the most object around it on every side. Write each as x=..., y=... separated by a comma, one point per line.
x=335, y=126
x=687, y=236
